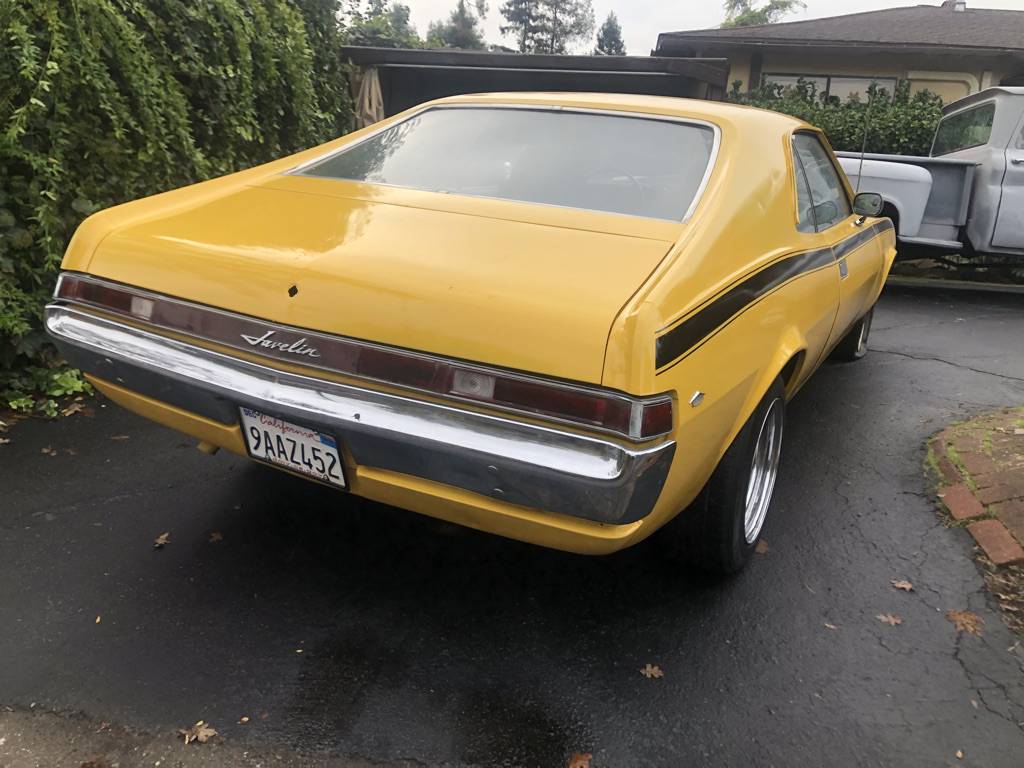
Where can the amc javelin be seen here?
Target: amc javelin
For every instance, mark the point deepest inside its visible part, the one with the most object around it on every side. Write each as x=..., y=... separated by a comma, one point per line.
x=567, y=319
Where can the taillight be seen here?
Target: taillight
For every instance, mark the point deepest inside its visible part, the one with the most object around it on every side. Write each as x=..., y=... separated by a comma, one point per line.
x=632, y=417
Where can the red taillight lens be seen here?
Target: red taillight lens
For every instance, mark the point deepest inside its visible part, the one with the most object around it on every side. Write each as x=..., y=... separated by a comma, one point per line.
x=633, y=418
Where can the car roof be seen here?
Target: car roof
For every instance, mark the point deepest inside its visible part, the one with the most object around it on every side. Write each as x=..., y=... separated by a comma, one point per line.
x=700, y=109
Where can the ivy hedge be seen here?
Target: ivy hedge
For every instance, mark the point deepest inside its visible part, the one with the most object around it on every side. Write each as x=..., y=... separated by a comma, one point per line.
x=900, y=123
x=103, y=101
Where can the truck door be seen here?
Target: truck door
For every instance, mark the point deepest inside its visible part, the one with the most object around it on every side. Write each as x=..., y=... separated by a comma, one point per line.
x=855, y=246
x=1009, y=231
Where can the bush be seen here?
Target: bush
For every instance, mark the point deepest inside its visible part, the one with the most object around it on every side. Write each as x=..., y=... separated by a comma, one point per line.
x=104, y=101
x=900, y=123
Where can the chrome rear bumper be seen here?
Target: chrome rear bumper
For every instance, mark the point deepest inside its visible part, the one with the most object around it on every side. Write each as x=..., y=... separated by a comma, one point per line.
x=521, y=463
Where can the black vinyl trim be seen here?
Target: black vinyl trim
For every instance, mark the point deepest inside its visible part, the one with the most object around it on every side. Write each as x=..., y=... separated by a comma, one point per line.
x=688, y=334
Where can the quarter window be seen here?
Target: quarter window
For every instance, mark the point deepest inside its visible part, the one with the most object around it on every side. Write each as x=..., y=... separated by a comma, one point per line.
x=829, y=202
x=963, y=130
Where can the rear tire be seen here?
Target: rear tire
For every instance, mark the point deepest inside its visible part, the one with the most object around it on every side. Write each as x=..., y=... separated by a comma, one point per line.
x=855, y=343
x=717, y=534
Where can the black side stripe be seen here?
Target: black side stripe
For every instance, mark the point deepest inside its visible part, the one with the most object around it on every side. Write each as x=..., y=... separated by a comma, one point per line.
x=685, y=336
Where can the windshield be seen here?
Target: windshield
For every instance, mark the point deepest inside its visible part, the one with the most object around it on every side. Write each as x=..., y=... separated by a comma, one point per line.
x=631, y=165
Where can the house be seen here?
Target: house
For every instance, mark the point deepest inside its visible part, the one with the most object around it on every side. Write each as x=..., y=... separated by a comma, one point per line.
x=950, y=49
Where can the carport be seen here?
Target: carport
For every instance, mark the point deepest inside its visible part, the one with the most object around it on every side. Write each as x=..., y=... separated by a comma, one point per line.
x=389, y=80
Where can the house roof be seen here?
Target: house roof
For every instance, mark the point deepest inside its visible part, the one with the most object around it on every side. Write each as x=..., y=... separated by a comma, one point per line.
x=920, y=26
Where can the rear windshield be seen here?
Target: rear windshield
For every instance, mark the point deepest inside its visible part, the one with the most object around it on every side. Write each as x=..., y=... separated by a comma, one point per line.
x=630, y=165
x=970, y=128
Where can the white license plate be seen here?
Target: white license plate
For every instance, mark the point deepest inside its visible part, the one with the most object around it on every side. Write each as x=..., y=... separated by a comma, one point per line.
x=288, y=445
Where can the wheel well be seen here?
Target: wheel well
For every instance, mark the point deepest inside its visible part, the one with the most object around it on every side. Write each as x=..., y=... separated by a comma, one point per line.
x=890, y=211
x=790, y=371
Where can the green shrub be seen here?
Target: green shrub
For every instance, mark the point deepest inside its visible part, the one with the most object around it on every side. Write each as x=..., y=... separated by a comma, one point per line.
x=103, y=101
x=900, y=123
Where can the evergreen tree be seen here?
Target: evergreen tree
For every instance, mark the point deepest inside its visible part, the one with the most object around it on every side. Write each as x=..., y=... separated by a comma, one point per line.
x=609, y=38
x=742, y=13
x=462, y=30
x=547, y=26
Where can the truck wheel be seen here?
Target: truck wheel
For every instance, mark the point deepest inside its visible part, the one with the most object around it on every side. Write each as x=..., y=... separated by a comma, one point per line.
x=718, y=532
x=855, y=343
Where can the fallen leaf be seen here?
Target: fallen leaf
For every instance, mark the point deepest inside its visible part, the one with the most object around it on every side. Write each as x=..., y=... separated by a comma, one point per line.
x=104, y=726
x=72, y=409
x=243, y=719
x=889, y=618
x=99, y=619
x=119, y=437
x=49, y=451
x=580, y=760
x=974, y=703
x=201, y=732
x=215, y=537
x=965, y=621
x=4, y=440
x=163, y=538
x=830, y=626
x=959, y=754
x=906, y=586
x=70, y=451
x=298, y=650
x=650, y=671
x=762, y=547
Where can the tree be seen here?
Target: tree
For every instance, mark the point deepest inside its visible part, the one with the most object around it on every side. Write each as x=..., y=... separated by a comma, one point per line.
x=547, y=26
x=462, y=30
x=742, y=13
x=381, y=24
x=609, y=38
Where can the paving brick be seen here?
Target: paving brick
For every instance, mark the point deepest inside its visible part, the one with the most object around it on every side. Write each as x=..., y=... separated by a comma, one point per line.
x=993, y=494
x=1011, y=513
x=961, y=502
x=950, y=474
x=978, y=463
x=999, y=545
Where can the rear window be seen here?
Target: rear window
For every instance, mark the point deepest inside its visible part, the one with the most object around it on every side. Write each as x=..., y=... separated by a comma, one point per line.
x=630, y=165
x=970, y=128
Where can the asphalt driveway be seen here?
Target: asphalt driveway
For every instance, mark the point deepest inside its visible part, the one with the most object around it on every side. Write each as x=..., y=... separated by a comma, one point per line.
x=422, y=641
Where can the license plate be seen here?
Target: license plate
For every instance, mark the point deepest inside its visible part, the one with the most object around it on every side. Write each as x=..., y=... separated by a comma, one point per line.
x=288, y=445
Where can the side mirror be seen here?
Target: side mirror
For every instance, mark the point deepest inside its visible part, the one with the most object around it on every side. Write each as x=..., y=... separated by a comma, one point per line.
x=867, y=204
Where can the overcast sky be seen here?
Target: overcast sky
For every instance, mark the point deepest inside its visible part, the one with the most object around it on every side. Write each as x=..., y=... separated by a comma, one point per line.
x=642, y=20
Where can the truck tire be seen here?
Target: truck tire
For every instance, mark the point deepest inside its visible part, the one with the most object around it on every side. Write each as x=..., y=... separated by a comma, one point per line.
x=855, y=343
x=717, y=534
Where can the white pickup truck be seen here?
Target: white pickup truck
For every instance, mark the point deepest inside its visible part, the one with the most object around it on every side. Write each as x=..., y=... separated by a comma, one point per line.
x=969, y=194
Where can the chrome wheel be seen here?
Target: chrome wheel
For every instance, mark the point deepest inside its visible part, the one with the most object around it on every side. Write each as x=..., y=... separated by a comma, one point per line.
x=862, y=338
x=764, y=468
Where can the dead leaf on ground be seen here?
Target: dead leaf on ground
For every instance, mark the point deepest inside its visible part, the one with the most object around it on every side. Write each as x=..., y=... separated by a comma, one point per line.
x=71, y=409
x=104, y=726
x=891, y=619
x=163, y=538
x=762, y=547
x=119, y=437
x=966, y=621
x=243, y=719
x=650, y=670
x=906, y=586
x=959, y=754
x=580, y=760
x=4, y=440
x=99, y=619
x=201, y=732
x=830, y=626
x=70, y=451
x=49, y=450
x=216, y=536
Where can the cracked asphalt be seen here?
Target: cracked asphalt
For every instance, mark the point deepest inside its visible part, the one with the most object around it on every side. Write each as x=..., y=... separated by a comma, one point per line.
x=429, y=643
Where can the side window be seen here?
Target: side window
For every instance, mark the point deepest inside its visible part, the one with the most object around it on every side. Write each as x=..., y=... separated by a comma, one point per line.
x=963, y=130
x=804, y=204
x=828, y=195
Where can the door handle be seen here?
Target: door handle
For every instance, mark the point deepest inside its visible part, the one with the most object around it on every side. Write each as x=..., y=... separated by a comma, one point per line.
x=1017, y=160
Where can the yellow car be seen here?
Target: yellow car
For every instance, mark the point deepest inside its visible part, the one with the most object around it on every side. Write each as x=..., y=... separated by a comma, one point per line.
x=561, y=318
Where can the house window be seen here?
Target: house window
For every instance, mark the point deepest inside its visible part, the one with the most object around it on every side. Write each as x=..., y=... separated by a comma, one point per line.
x=840, y=86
